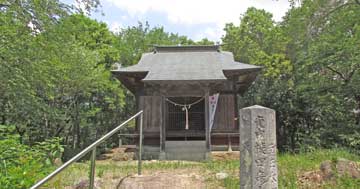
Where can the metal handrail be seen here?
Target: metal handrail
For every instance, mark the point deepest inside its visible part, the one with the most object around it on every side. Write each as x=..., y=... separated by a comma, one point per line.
x=92, y=148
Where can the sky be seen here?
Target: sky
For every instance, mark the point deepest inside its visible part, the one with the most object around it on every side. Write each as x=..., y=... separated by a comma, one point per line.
x=196, y=19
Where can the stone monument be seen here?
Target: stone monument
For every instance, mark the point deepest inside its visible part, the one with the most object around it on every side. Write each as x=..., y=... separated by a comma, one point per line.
x=258, y=167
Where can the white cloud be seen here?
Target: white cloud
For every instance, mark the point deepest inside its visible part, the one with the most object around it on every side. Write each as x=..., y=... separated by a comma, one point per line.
x=79, y=5
x=191, y=12
x=115, y=26
x=202, y=11
x=211, y=33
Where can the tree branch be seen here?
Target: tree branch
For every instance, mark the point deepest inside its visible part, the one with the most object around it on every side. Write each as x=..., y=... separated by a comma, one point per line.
x=327, y=14
x=337, y=72
x=3, y=5
x=351, y=74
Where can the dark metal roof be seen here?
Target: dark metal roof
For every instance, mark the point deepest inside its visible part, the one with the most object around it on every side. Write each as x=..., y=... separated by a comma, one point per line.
x=177, y=63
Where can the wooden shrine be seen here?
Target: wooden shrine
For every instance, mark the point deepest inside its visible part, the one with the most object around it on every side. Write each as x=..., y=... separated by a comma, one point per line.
x=189, y=98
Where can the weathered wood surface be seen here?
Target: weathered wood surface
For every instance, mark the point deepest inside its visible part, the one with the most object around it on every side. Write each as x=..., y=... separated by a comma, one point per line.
x=155, y=110
x=152, y=107
x=163, y=124
x=207, y=126
x=225, y=114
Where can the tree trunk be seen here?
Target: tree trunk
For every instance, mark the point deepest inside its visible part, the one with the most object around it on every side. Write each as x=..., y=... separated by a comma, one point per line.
x=46, y=126
x=21, y=132
x=76, y=125
x=357, y=110
x=3, y=116
x=293, y=139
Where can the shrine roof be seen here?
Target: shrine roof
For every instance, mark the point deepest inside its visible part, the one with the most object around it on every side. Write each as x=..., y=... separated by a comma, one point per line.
x=186, y=63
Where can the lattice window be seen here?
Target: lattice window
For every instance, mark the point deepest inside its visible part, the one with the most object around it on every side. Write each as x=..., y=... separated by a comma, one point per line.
x=177, y=118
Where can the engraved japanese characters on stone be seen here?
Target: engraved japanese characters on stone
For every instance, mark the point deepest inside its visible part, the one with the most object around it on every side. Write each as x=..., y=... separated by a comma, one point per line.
x=258, y=168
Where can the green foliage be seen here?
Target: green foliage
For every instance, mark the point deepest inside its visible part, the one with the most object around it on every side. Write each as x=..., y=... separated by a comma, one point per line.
x=292, y=165
x=55, y=79
x=258, y=41
x=322, y=37
x=311, y=71
x=52, y=148
x=21, y=165
x=133, y=41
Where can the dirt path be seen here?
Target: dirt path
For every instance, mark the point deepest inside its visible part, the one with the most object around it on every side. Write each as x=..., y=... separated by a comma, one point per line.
x=174, y=179
x=164, y=179
x=116, y=170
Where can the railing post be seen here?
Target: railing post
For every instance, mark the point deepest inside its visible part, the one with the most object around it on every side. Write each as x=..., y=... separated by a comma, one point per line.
x=120, y=140
x=229, y=143
x=92, y=169
x=92, y=148
x=140, y=144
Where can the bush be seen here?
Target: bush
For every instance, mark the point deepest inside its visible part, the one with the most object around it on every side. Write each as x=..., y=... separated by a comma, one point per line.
x=21, y=165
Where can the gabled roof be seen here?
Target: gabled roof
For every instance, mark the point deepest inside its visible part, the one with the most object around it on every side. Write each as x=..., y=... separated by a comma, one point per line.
x=186, y=63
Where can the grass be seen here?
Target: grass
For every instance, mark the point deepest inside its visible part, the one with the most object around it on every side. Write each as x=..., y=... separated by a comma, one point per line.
x=292, y=165
x=289, y=167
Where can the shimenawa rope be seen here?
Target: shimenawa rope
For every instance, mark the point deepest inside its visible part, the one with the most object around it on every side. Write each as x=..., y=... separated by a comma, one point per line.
x=185, y=107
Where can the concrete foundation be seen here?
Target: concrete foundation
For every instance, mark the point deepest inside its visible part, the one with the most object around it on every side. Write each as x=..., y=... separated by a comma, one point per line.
x=178, y=150
x=151, y=152
x=185, y=150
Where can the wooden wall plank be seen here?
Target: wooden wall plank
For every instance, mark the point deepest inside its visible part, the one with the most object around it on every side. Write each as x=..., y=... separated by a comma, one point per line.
x=152, y=112
x=225, y=114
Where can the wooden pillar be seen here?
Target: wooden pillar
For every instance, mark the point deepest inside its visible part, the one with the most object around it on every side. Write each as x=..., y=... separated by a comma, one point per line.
x=138, y=108
x=162, y=155
x=237, y=121
x=161, y=124
x=237, y=117
x=207, y=125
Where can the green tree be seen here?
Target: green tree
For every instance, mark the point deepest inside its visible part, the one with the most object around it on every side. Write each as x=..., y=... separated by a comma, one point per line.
x=54, y=73
x=311, y=78
x=323, y=37
x=259, y=40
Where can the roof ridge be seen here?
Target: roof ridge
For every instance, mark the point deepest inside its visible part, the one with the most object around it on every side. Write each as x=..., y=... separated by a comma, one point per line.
x=186, y=48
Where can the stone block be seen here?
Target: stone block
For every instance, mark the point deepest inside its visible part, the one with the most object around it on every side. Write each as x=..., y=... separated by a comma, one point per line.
x=258, y=167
